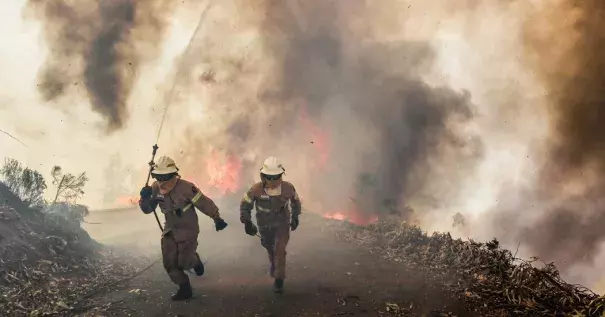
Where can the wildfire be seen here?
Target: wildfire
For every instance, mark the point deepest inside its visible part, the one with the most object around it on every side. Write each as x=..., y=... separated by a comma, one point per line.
x=223, y=172
x=321, y=142
x=353, y=216
x=128, y=200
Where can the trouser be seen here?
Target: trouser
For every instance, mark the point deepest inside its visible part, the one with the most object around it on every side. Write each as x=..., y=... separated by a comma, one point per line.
x=178, y=256
x=275, y=239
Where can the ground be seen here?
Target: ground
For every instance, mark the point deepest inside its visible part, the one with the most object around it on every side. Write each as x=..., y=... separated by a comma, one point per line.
x=326, y=277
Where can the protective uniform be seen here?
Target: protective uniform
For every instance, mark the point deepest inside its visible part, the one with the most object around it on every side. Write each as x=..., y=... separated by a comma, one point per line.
x=178, y=199
x=277, y=210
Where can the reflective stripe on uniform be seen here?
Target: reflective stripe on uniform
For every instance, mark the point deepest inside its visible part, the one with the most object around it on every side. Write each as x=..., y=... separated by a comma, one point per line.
x=193, y=201
x=247, y=198
x=259, y=208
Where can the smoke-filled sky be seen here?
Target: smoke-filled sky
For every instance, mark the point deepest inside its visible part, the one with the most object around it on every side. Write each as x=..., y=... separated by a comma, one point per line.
x=492, y=110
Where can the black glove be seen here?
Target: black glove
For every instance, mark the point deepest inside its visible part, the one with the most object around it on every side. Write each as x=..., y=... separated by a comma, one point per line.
x=146, y=192
x=294, y=223
x=220, y=224
x=250, y=228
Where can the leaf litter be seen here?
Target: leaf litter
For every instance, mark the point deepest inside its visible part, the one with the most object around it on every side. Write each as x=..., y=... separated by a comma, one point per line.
x=484, y=275
x=49, y=269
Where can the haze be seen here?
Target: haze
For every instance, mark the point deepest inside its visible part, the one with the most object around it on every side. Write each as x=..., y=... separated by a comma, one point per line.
x=447, y=108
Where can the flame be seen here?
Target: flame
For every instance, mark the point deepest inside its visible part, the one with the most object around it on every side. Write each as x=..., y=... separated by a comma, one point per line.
x=128, y=200
x=352, y=215
x=321, y=142
x=223, y=172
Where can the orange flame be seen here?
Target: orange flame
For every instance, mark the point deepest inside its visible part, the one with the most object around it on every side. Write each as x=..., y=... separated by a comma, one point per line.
x=321, y=143
x=355, y=218
x=352, y=215
x=223, y=172
x=128, y=200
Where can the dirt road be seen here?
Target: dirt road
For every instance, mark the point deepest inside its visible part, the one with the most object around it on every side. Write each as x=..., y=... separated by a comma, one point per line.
x=326, y=277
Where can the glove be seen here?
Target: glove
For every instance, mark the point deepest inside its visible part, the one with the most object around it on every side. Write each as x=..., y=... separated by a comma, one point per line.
x=294, y=223
x=146, y=192
x=250, y=228
x=220, y=224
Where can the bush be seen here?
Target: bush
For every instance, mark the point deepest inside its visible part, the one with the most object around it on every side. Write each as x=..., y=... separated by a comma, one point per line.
x=73, y=214
x=27, y=184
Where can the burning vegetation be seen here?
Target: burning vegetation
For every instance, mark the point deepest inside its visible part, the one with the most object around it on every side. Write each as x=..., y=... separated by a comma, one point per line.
x=364, y=134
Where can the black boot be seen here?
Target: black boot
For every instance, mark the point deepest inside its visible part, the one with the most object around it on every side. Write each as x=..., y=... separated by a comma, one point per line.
x=199, y=269
x=278, y=285
x=184, y=292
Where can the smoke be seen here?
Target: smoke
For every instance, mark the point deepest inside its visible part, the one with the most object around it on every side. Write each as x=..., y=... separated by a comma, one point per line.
x=349, y=113
x=363, y=129
x=368, y=106
x=573, y=69
x=100, y=45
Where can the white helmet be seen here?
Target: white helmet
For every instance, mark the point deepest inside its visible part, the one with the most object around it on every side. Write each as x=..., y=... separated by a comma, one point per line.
x=272, y=166
x=164, y=165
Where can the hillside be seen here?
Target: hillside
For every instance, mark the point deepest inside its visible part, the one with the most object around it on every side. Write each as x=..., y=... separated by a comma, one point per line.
x=48, y=262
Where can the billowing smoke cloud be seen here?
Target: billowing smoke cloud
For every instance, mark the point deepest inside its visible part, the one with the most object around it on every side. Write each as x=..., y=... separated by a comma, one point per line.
x=352, y=116
x=337, y=91
x=99, y=45
x=406, y=122
x=573, y=68
x=349, y=114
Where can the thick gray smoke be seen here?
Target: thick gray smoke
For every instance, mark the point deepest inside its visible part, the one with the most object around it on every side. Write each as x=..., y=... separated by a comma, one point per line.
x=406, y=123
x=382, y=128
x=344, y=103
x=99, y=45
x=571, y=230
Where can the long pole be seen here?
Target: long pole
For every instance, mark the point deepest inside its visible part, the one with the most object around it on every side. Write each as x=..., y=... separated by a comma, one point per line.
x=168, y=102
x=155, y=149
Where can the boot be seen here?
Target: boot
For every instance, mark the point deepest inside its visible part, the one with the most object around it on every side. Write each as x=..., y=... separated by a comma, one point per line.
x=184, y=292
x=278, y=285
x=199, y=269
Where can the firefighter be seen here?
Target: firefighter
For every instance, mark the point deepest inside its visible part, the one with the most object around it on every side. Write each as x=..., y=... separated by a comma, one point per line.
x=178, y=199
x=277, y=210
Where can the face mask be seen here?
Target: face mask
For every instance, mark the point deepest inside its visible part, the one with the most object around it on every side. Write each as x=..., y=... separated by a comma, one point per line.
x=167, y=186
x=273, y=184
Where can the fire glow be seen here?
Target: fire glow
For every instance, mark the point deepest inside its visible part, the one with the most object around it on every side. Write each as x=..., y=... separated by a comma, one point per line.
x=352, y=215
x=223, y=172
x=128, y=200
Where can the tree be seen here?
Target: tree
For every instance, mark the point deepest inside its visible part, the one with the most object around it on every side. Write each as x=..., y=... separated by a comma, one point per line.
x=69, y=187
x=11, y=174
x=27, y=184
x=33, y=186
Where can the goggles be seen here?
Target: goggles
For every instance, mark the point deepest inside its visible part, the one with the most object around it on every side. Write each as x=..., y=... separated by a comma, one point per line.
x=162, y=177
x=272, y=177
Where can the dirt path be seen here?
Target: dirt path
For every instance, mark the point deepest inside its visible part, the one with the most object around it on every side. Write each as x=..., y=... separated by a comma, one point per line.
x=326, y=277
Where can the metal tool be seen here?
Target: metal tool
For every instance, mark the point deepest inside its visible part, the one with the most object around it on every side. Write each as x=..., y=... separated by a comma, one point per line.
x=151, y=163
